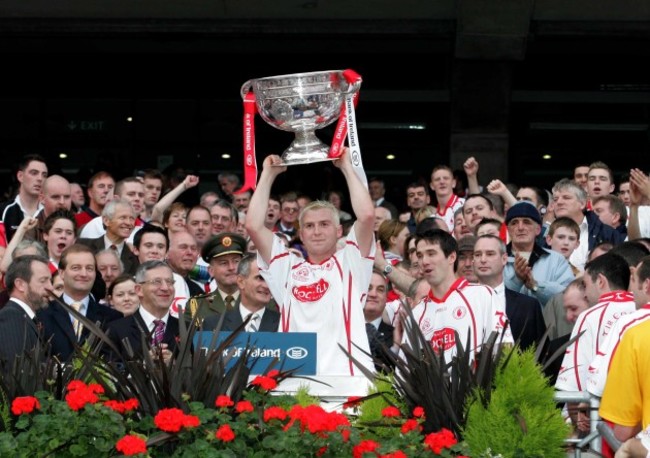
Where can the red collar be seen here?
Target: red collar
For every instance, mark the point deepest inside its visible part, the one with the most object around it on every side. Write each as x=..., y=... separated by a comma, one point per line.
x=458, y=284
x=453, y=199
x=617, y=296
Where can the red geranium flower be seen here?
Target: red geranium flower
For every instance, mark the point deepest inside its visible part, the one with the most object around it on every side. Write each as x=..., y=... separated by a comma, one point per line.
x=79, y=396
x=244, y=406
x=24, y=404
x=273, y=373
x=418, y=412
x=76, y=385
x=395, y=454
x=390, y=412
x=410, y=425
x=440, y=440
x=264, y=382
x=223, y=401
x=131, y=404
x=352, y=401
x=191, y=421
x=225, y=433
x=96, y=388
x=131, y=445
x=277, y=413
x=364, y=447
x=170, y=420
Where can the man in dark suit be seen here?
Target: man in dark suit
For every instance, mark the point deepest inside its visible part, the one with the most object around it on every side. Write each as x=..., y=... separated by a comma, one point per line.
x=380, y=334
x=119, y=218
x=222, y=253
x=377, y=191
x=254, y=297
x=65, y=330
x=155, y=289
x=524, y=312
x=29, y=283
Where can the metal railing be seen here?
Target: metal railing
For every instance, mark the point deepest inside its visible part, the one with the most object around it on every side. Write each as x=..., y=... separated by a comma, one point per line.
x=593, y=439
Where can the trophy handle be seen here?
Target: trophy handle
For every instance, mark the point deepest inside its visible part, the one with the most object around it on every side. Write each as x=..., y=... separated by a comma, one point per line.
x=245, y=88
x=353, y=87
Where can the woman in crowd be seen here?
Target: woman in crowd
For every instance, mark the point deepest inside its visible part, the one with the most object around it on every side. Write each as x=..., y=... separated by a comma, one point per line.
x=121, y=295
x=391, y=235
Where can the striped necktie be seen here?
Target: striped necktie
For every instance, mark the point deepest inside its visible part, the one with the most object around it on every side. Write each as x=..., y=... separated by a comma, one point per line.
x=253, y=324
x=158, y=332
x=76, y=324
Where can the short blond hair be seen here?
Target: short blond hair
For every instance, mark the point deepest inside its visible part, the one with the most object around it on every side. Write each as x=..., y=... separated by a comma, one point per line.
x=320, y=205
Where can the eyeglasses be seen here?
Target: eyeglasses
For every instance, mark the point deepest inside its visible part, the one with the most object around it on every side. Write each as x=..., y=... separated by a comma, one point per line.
x=290, y=210
x=158, y=282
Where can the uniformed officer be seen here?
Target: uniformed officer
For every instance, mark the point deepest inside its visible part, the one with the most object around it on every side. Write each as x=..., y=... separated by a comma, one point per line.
x=223, y=253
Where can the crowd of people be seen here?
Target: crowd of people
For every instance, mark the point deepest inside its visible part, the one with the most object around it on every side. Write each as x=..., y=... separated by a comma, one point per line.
x=463, y=263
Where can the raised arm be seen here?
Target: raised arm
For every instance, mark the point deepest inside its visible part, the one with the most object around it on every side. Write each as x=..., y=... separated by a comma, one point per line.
x=28, y=223
x=471, y=170
x=364, y=209
x=261, y=235
x=163, y=204
x=639, y=186
x=497, y=187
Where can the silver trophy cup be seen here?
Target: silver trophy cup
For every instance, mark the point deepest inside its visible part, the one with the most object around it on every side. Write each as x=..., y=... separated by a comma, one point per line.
x=301, y=103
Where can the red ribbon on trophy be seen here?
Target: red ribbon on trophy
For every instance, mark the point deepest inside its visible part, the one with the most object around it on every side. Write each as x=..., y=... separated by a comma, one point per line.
x=282, y=115
x=341, y=131
x=250, y=161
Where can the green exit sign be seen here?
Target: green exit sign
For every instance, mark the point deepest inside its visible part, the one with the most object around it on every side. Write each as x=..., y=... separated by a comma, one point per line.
x=86, y=126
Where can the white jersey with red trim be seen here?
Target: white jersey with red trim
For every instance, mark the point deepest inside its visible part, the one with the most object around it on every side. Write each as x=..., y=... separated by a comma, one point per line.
x=599, y=367
x=181, y=295
x=447, y=213
x=465, y=308
x=597, y=323
x=325, y=298
x=392, y=310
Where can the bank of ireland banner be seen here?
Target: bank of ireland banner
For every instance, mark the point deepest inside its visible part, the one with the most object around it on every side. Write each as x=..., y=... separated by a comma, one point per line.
x=294, y=350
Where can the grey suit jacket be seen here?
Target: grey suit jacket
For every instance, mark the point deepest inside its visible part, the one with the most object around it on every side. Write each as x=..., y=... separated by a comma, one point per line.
x=18, y=333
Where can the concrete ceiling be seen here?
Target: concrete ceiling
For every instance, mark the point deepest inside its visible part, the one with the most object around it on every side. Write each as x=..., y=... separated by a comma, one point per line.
x=81, y=50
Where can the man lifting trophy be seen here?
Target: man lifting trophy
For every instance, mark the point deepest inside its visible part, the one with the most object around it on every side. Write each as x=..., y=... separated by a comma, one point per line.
x=302, y=103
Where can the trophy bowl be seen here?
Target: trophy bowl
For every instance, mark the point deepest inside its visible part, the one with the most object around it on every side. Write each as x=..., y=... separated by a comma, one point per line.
x=301, y=103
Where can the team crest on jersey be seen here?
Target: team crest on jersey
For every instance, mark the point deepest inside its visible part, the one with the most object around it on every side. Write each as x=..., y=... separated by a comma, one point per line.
x=312, y=292
x=301, y=274
x=459, y=312
x=443, y=339
x=425, y=325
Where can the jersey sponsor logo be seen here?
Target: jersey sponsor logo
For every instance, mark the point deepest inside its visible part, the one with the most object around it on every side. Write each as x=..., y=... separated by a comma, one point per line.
x=459, y=312
x=443, y=339
x=311, y=293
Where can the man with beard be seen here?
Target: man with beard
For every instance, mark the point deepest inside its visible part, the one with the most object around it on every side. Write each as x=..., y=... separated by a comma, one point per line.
x=29, y=283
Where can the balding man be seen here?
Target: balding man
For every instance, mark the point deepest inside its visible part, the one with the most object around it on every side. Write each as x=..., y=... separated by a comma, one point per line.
x=381, y=214
x=55, y=195
x=181, y=257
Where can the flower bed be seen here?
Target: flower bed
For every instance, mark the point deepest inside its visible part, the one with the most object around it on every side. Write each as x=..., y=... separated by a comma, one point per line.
x=259, y=425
